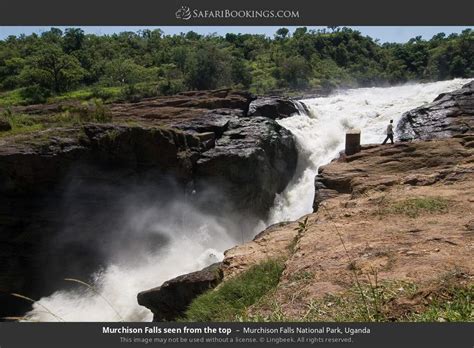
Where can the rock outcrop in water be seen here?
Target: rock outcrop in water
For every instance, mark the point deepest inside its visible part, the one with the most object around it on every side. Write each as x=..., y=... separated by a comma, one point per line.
x=62, y=179
x=252, y=160
x=449, y=114
x=169, y=301
x=275, y=107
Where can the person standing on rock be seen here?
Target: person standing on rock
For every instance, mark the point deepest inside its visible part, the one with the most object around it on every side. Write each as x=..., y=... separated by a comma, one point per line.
x=389, y=133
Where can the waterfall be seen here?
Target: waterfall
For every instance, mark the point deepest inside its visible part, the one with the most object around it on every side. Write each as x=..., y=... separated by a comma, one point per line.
x=320, y=133
x=319, y=130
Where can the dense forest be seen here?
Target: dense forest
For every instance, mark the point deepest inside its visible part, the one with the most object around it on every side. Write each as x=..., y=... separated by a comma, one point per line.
x=71, y=64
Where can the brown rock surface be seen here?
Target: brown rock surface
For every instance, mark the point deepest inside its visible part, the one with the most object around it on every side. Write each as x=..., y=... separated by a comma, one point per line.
x=274, y=242
x=415, y=163
x=357, y=229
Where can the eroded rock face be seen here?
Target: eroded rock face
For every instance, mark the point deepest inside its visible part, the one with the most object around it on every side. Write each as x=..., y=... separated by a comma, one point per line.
x=58, y=180
x=422, y=164
x=59, y=194
x=275, y=107
x=169, y=301
x=449, y=114
x=247, y=157
x=253, y=159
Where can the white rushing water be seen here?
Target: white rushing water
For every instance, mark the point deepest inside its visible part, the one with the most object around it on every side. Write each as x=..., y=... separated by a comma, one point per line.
x=190, y=247
x=320, y=137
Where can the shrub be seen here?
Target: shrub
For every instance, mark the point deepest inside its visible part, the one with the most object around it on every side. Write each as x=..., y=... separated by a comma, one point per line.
x=35, y=94
x=93, y=111
x=102, y=93
x=171, y=87
x=135, y=92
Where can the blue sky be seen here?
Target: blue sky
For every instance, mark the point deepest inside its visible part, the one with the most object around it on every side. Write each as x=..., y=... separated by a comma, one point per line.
x=384, y=34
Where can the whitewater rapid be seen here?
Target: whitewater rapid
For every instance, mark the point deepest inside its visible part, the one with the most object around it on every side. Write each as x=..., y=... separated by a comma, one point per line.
x=320, y=137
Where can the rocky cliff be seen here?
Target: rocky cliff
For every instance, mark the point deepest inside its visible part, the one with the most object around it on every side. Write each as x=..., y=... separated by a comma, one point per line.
x=60, y=188
x=394, y=221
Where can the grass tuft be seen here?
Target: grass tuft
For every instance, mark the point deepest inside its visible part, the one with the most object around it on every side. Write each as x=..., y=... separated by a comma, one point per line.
x=457, y=307
x=20, y=123
x=414, y=207
x=37, y=303
x=230, y=300
x=11, y=98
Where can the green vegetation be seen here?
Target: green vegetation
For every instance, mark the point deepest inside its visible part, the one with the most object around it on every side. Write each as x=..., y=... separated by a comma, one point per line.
x=457, y=305
x=11, y=98
x=301, y=229
x=128, y=66
x=231, y=299
x=364, y=303
x=19, y=123
x=302, y=226
x=413, y=207
x=96, y=92
x=93, y=111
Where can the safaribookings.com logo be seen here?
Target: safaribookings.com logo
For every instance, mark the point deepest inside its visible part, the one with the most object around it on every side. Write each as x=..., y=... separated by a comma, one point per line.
x=186, y=13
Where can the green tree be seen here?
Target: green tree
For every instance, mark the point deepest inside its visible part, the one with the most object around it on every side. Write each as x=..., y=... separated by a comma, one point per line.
x=207, y=68
x=300, y=32
x=293, y=72
x=282, y=33
x=241, y=73
x=51, y=68
x=73, y=39
x=124, y=71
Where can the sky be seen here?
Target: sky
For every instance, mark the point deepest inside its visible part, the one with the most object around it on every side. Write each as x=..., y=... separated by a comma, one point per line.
x=384, y=34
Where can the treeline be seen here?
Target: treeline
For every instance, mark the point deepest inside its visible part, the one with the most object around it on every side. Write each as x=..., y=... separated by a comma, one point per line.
x=149, y=63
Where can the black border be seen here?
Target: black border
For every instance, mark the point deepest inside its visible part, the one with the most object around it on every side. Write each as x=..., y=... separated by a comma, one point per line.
x=162, y=12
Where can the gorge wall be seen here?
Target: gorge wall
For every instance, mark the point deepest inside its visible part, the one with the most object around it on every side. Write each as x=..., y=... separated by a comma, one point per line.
x=63, y=190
